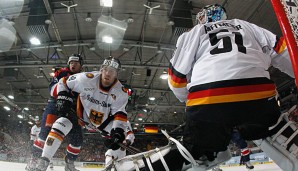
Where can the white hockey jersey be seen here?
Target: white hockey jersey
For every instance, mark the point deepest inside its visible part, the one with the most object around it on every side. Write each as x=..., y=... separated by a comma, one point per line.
x=226, y=61
x=34, y=132
x=95, y=104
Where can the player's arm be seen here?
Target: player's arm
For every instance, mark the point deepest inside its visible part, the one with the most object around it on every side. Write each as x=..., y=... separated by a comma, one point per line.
x=181, y=64
x=130, y=136
x=275, y=47
x=65, y=99
x=63, y=72
x=119, y=120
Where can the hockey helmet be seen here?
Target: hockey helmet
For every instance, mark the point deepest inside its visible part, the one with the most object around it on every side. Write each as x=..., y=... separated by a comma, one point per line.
x=112, y=62
x=75, y=57
x=211, y=13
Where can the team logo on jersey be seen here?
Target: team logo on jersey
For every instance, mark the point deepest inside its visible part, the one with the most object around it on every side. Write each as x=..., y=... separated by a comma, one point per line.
x=71, y=78
x=113, y=96
x=125, y=90
x=89, y=75
x=50, y=141
x=96, y=117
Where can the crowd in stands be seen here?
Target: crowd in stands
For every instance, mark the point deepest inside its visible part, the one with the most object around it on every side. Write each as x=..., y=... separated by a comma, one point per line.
x=14, y=144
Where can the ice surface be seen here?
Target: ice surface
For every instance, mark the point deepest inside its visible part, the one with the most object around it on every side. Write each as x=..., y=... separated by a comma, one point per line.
x=10, y=166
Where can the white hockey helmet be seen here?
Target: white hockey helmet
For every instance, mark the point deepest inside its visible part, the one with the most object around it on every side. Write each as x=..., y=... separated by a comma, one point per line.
x=211, y=13
x=112, y=62
x=75, y=57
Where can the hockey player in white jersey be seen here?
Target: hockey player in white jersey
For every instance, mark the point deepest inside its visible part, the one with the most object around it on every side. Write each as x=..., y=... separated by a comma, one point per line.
x=35, y=130
x=112, y=155
x=96, y=98
x=220, y=69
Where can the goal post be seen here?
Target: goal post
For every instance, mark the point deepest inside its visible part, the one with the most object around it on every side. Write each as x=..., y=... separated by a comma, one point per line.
x=286, y=13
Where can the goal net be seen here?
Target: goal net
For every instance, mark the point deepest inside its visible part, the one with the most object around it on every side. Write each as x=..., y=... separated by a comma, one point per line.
x=287, y=15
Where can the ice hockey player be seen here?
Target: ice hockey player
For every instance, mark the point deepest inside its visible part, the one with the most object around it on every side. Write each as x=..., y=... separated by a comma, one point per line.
x=245, y=152
x=96, y=98
x=220, y=69
x=49, y=116
x=35, y=130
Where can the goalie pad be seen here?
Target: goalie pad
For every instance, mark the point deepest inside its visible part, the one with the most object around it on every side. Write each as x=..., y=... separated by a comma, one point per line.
x=145, y=159
x=282, y=147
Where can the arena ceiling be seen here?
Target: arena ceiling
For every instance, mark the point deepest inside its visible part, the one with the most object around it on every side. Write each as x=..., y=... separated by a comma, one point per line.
x=149, y=29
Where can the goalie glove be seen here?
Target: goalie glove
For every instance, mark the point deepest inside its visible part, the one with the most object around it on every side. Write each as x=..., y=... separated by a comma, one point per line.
x=64, y=104
x=117, y=136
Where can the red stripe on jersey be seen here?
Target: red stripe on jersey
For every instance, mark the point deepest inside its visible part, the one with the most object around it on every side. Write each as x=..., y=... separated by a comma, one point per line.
x=280, y=45
x=54, y=93
x=120, y=116
x=177, y=80
x=231, y=90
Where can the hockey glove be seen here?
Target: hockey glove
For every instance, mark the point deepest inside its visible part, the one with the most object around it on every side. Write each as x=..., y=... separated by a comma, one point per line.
x=64, y=104
x=117, y=136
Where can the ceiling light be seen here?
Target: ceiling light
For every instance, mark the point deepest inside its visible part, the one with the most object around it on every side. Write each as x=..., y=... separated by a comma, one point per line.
x=30, y=123
x=20, y=116
x=59, y=49
x=6, y=108
x=145, y=110
x=106, y=3
x=107, y=39
x=35, y=41
x=130, y=20
x=152, y=98
x=164, y=75
x=140, y=119
x=88, y=18
x=92, y=48
x=48, y=21
x=10, y=96
x=136, y=124
x=26, y=108
x=125, y=49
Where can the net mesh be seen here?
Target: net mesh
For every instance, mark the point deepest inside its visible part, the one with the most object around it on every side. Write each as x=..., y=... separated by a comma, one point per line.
x=291, y=10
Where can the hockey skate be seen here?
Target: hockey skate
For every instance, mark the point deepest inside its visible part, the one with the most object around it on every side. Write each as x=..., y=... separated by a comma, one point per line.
x=249, y=166
x=43, y=164
x=32, y=163
x=69, y=165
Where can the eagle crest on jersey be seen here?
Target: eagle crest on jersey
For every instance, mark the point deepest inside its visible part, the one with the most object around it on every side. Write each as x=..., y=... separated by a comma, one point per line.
x=96, y=117
x=89, y=75
x=50, y=141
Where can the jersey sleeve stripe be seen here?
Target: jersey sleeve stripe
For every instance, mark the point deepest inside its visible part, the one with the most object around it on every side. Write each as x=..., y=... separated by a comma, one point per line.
x=177, y=79
x=280, y=45
x=120, y=116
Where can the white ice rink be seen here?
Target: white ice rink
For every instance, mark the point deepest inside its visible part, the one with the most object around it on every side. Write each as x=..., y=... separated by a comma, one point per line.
x=9, y=166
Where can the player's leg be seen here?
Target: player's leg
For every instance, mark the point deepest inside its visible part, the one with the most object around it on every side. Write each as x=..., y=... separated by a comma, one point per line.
x=75, y=137
x=59, y=130
x=48, y=118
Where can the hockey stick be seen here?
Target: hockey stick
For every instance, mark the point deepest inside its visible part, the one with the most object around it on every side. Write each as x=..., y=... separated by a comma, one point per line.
x=106, y=134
